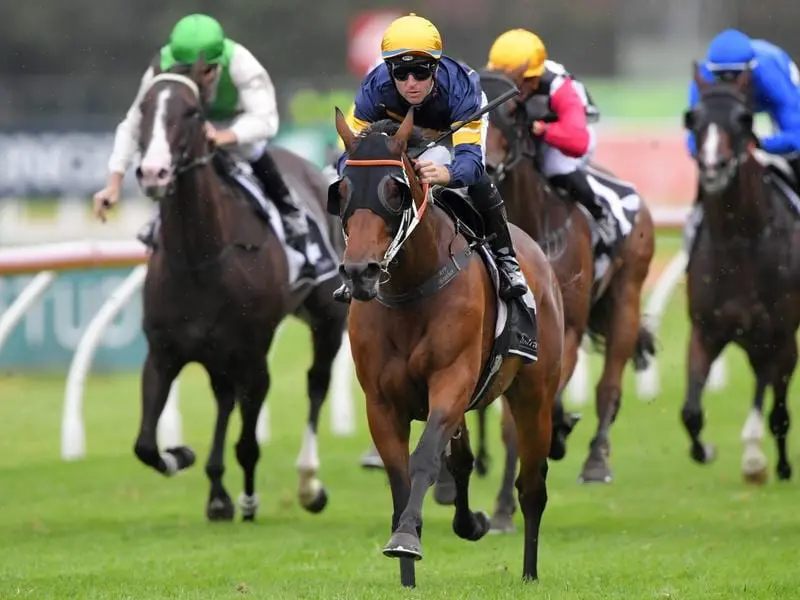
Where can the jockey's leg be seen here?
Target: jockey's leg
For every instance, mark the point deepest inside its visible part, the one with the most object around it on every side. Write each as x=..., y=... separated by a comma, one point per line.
x=579, y=188
x=488, y=201
x=294, y=218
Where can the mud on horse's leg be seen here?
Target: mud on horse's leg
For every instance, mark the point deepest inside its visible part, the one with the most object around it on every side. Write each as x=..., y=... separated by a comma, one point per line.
x=158, y=374
x=254, y=387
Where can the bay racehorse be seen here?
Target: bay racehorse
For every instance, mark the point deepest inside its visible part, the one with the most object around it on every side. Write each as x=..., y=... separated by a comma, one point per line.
x=422, y=327
x=217, y=288
x=744, y=270
x=608, y=310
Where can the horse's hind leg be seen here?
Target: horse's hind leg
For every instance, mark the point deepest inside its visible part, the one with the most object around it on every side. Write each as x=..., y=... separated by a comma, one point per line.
x=532, y=415
x=460, y=461
x=779, y=416
x=253, y=388
x=158, y=374
x=220, y=506
x=482, y=459
x=563, y=423
x=623, y=333
x=326, y=319
x=702, y=352
x=506, y=505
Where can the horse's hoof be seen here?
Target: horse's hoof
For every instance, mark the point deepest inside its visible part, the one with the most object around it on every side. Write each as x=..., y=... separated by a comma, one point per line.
x=502, y=523
x=784, y=472
x=249, y=506
x=478, y=527
x=482, y=466
x=403, y=545
x=558, y=447
x=371, y=460
x=595, y=471
x=319, y=502
x=703, y=454
x=220, y=509
x=755, y=477
x=178, y=459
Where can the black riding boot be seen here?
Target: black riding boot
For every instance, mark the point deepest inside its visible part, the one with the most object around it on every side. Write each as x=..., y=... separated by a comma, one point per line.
x=794, y=162
x=292, y=215
x=579, y=188
x=490, y=204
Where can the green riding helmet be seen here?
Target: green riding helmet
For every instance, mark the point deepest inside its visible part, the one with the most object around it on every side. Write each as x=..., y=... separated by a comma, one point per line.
x=194, y=35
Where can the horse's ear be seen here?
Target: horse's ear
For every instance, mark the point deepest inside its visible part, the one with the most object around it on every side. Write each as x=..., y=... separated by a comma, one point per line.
x=404, y=132
x=701, y=82
x=344, y=131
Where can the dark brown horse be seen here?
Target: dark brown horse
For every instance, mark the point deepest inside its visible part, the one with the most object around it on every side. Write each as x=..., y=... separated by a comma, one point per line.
x=216, y=290
x=608, y=311
x=420, y=355
x=744, y=271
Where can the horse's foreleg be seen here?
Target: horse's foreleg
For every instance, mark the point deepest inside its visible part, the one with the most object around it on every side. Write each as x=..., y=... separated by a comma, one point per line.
x=700, y=356
x=390, y=432
x=460, y=461
x=157, y=377
x=779, y=416
x=220, y=506
x=253, y=388
x=502, y=520
x=326, y=339
x=445, y=389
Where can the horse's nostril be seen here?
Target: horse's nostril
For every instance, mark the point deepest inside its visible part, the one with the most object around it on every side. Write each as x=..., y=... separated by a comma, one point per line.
x=162, y=173
x=373, y=269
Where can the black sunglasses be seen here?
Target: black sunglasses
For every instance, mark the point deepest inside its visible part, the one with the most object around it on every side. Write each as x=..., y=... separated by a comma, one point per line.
x=421, y=72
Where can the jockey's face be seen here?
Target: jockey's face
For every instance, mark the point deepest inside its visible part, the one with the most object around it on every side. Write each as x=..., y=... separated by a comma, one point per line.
x=414, y=81
x=529, y=86
x=210, y=80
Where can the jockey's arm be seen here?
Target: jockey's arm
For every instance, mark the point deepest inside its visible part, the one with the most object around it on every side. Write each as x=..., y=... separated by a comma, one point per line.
x=694, y=98
x=785, y=98
x=126, y=137
x=570, y=133
x=467, y=167
x=259, y=121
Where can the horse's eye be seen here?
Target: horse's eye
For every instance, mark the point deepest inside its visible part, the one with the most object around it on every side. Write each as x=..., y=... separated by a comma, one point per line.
x=192, y=113
x=391, y=194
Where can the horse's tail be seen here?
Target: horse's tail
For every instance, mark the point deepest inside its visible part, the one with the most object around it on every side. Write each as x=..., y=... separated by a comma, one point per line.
x=645, y=349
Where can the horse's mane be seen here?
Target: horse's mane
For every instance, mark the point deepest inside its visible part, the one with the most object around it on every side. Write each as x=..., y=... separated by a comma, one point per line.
x=417, y=139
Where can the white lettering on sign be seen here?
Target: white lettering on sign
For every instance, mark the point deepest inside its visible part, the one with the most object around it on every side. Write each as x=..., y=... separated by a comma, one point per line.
x=63, y=313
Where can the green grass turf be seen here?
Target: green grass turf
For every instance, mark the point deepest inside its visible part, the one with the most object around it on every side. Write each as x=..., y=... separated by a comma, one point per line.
x=107, y=527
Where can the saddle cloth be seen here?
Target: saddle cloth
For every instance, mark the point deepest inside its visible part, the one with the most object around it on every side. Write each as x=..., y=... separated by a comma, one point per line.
x=319, y=251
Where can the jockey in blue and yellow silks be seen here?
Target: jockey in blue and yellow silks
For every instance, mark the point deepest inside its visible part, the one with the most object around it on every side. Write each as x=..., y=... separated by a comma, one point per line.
x=442, y=91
